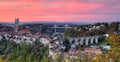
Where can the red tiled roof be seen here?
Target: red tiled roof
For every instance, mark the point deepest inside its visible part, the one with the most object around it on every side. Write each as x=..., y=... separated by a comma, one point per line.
x=92, y=49
x=24, y=30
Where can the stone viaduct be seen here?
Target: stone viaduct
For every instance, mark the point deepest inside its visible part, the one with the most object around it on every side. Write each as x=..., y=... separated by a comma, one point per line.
x=84, y=40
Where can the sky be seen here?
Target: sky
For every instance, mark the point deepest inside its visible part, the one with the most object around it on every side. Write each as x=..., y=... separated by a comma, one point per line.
x=60, y=10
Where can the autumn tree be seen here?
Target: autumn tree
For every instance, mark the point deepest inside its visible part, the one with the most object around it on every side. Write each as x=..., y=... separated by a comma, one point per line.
x=114, y=54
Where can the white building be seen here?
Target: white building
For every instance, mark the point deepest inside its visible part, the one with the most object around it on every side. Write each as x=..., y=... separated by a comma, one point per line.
x=45, y=41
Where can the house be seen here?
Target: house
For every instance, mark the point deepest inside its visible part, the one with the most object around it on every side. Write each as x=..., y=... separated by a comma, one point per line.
x=106, y=47
x=51, y=46
x=0, y=37
x=45, y=41
x=106, y=35
x=54, y=52
x=24, y=30
x=98, y=27
x=93, y=50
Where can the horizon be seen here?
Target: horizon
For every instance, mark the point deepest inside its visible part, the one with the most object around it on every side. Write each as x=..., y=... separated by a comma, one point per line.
x=60, y=10
x=61, y=22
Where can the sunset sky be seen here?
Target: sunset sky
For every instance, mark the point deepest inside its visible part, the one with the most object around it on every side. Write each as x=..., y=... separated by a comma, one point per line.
x=60, y=10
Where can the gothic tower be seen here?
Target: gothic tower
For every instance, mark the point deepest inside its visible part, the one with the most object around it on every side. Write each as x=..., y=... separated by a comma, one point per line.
x=16, y=24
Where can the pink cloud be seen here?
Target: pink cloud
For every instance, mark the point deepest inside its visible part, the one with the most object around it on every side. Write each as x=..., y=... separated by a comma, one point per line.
x=58, y=10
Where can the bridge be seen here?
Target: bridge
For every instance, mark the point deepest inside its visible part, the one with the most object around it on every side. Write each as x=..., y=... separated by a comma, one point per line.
x=84, y=40
x=65, y=26
x=60, y=28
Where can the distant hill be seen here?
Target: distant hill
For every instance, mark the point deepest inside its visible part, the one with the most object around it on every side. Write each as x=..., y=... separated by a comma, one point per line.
x=51, y=22
x=48, y=22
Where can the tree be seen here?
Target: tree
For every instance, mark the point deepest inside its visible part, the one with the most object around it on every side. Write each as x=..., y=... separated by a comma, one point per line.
x=1, y=60
x=114, y=54
x=114, y=40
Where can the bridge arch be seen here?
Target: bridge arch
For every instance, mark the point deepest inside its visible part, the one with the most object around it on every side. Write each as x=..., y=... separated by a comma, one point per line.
x=84, y=40
x=96, y=39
